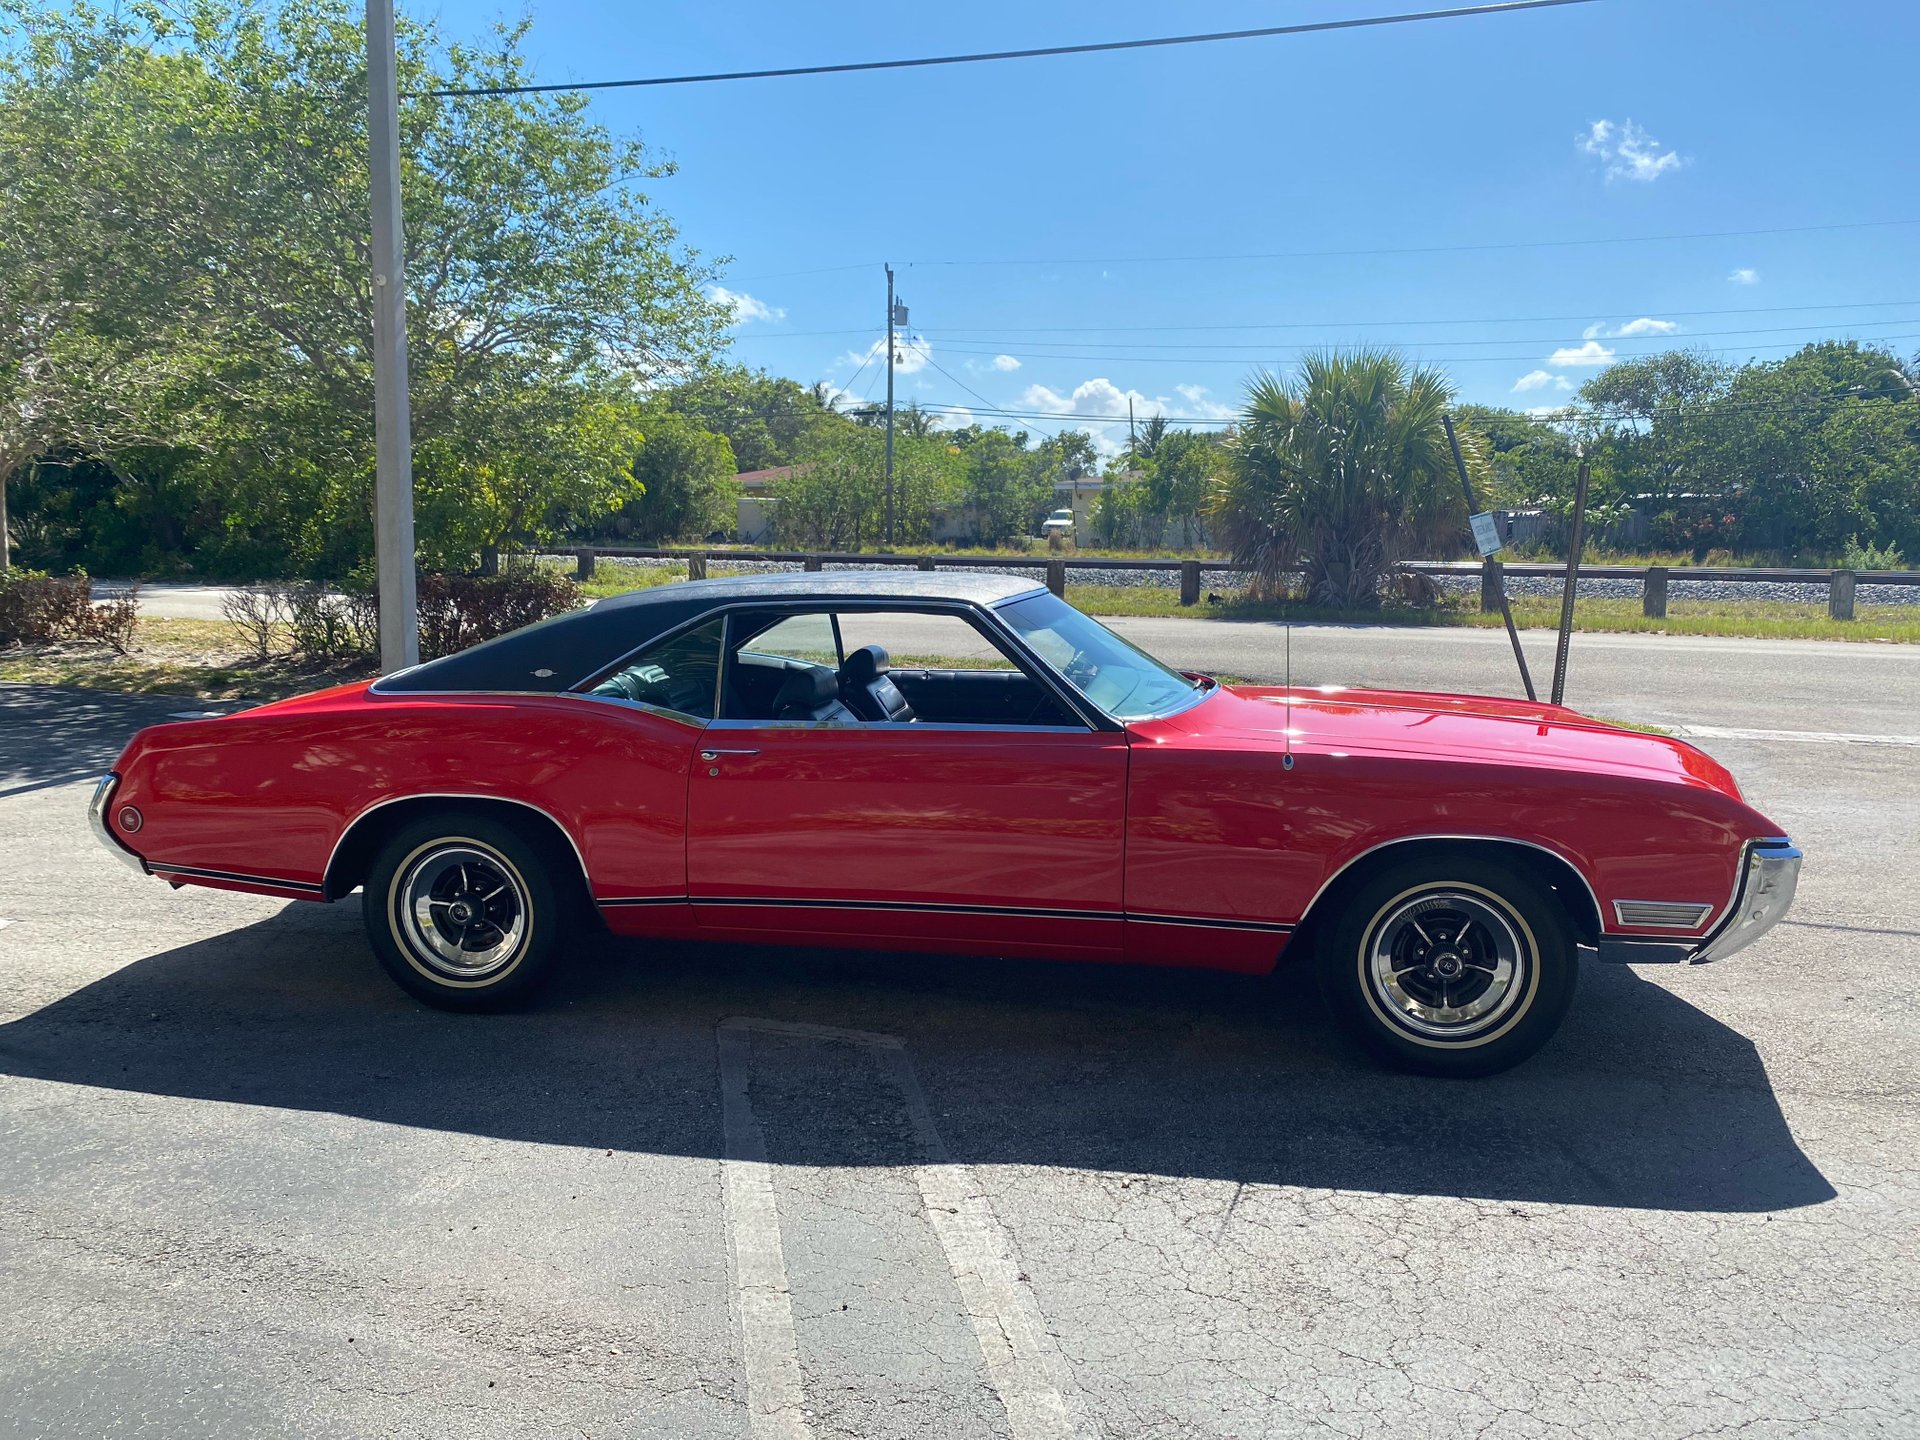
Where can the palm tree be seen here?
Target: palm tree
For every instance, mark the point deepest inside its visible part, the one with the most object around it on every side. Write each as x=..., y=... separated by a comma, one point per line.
x=1338, y=474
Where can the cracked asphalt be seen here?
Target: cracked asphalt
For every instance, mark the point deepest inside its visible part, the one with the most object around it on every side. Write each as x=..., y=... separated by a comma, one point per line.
x=248, y=1188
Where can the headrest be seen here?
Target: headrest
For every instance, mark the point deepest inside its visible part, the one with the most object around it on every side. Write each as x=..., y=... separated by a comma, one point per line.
x=805, y=690
x=866, y=664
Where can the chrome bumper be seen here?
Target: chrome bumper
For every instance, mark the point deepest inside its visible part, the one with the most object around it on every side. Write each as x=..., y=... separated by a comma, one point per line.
x=97, y=817
x=1769, y=874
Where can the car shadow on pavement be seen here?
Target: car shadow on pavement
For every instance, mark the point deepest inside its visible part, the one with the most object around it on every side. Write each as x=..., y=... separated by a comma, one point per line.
x=53, y=736
x=1643, y=1101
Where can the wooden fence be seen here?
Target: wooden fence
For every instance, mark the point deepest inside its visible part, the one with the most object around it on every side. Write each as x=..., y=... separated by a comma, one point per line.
x=1654, y=579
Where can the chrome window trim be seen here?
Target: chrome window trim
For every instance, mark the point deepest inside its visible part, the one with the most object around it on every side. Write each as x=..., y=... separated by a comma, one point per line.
x=348, y=828
x=97, y=808
x=1566, y=860
x=982, y=618
x=922, y=726
x=679, y=717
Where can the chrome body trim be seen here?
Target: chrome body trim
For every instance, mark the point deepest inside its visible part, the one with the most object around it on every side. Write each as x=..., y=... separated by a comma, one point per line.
x=928, y=907
x=1327, y=884
x=97, y=818
x=1762, y=894
x=195, y=872
x=348, y=828
x=1662, y=914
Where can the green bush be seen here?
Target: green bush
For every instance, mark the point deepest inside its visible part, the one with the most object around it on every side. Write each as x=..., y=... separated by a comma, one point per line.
x=1855, y=556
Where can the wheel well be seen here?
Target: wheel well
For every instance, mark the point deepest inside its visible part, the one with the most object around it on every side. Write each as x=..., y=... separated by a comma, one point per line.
x=353, y=856
x=1554, y=873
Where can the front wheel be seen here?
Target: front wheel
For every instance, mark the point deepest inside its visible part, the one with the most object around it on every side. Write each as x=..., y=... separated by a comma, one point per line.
x=463, y=913
x=1450, y=967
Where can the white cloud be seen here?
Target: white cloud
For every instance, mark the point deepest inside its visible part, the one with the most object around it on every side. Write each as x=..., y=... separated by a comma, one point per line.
x=1745, y=275
x=1626, y=151
x=956, y=417
x=744, y=306
x=1201, y=405
x=1005, y=362
x=1591, y=353
x=1539, y=379
x=1645, y=325
x=1099, y=401
x=911, y=353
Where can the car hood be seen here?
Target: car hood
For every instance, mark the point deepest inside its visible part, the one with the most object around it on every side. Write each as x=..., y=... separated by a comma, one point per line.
x=1476, y=728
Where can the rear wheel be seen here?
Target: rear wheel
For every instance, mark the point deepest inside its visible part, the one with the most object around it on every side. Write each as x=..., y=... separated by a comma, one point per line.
x=1450, y=967
x=463, y=912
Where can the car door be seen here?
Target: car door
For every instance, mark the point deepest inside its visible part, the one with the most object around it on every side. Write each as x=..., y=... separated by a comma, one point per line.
x=930, y=834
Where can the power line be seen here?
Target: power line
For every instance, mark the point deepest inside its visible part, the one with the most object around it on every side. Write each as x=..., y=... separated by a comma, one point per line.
x=1042, y=52
x=1532, y=358
x=1419, y=249
x=989, y=338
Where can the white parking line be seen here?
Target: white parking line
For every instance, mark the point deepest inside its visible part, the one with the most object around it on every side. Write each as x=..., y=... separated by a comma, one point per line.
x=761, y=1297
x=1024, y=1366
x=1812, y=737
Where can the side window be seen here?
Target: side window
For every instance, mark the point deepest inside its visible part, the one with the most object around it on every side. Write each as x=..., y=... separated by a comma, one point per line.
x=922, y=642
x=679, y=673
x=798, y=637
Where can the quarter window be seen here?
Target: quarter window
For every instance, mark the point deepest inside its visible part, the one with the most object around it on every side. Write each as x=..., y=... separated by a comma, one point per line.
x=679, y=673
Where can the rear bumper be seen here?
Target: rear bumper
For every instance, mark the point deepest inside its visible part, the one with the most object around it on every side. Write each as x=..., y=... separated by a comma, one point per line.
x=1769, y=875
x=97, y=810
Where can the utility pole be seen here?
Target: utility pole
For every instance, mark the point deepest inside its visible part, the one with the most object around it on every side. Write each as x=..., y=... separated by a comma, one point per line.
x=393, y=444
x=1133, y=451
x=889, y=406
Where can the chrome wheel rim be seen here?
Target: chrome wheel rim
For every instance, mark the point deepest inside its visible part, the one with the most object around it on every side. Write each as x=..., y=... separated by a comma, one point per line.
x=1447, y=963
x=463, y=911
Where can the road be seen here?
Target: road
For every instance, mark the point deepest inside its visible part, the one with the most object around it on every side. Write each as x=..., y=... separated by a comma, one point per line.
x=1651, y=679
x=246, y=1187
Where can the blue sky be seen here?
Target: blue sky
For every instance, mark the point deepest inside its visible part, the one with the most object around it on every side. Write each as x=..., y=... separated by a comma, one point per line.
x=1623, y=118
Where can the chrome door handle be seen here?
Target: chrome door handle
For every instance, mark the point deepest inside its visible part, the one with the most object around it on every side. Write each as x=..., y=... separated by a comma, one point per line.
x=716, y=754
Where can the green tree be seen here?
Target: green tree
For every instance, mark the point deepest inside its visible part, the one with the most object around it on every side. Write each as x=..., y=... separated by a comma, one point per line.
x=1339, y=473
x=768, y=420
x=836, y=497
x=216, y=150
x=1007, y=487
x=687, y=474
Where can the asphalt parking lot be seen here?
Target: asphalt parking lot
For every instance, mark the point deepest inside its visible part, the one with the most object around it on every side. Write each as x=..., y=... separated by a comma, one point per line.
x=248, y=1188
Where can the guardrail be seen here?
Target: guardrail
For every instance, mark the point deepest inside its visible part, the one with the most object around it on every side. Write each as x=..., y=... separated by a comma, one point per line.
x=1654, y=579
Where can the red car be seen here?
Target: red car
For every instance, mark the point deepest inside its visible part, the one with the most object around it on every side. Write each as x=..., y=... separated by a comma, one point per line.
x=960, y=763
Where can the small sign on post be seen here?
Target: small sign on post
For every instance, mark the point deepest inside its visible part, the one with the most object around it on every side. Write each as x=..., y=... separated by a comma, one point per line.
x=1486, y=533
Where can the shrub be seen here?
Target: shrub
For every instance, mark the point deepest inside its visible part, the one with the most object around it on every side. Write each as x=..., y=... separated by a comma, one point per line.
x=258, y=612
x=1855, y=556
x=457, y=611
x=39, y=609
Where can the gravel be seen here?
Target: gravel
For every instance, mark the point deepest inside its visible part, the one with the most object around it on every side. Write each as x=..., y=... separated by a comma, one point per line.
x=1223, y=582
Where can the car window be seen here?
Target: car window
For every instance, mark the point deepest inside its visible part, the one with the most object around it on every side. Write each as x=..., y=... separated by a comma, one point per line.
x=1126, y=682
x=678, y=673
x=917, y=641
x=797, y=637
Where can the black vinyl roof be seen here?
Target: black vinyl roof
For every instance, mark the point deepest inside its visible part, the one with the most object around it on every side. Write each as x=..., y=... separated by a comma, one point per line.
x=559, y=653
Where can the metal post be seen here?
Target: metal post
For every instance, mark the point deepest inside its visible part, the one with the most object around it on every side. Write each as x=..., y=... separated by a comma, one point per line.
x=889, y=406
x=1574, y=545
x=1506, y=605
x=393, y=446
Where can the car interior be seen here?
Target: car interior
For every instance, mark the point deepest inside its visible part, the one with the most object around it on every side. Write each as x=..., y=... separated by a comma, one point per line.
x=785, y=667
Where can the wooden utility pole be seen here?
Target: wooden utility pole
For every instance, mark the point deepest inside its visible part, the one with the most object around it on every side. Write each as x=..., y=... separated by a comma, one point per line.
x=393, y=445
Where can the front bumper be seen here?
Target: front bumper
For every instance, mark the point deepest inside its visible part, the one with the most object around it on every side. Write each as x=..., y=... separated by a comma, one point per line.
x=1769, y=874
x=97, y=810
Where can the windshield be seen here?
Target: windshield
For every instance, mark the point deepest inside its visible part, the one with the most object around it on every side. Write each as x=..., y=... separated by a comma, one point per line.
x=1125, y=682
